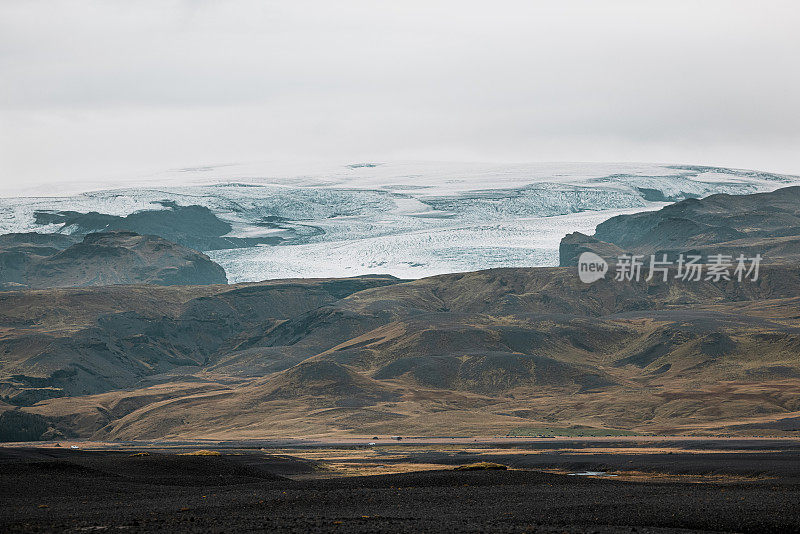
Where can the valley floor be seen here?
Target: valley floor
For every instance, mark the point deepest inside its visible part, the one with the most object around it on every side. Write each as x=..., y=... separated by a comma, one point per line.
x=665, y=485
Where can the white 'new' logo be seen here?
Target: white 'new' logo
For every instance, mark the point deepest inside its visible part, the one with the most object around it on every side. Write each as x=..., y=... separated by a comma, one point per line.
x=591, y=267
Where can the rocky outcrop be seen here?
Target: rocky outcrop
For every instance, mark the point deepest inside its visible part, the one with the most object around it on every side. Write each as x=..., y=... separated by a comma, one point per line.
x=53, y=260
x=194, y=226
x=763, y=223
x=576, y=243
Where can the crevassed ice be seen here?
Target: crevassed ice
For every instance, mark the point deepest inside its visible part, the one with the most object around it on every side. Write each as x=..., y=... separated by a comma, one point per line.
x=409, y=220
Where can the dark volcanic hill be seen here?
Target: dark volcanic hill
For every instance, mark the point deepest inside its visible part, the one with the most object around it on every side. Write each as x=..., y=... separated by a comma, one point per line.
x=763, y=223
x=196, y=227
x=53, y=260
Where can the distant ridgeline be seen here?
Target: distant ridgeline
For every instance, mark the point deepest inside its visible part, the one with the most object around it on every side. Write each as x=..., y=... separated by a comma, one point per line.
x=764, y=223
x=195, y=227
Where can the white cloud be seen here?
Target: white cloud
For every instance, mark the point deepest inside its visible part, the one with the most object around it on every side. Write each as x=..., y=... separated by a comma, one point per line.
x=107, y=88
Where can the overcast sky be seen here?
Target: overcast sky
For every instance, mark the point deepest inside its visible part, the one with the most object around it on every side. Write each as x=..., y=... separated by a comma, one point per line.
x=107, y=89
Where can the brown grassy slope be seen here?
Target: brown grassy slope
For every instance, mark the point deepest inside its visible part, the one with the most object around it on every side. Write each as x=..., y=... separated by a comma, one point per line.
x=85, y=341
x=472, y=353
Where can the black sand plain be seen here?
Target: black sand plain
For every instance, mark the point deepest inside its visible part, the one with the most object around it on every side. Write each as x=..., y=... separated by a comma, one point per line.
x=750, y=487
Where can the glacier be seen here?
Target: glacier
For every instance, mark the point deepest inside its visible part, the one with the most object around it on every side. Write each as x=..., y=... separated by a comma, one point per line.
x=407, y=219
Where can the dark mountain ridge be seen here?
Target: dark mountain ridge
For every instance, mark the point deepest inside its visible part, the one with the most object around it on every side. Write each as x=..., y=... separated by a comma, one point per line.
x=193, y=226
x=53, y=260
x=762, y=223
